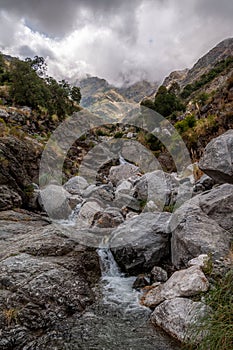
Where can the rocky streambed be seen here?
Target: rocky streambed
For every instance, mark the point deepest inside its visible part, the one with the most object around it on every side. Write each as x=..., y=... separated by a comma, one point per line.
x=66, y=280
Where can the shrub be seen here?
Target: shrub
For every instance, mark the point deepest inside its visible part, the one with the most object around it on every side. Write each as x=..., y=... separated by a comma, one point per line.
x=218, y=326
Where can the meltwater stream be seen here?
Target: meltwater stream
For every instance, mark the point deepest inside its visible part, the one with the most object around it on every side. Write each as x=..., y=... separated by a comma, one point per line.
x=117, y=321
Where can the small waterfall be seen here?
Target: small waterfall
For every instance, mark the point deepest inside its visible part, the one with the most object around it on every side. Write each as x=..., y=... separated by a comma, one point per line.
x=74, y=213
x=122, y=160
x=116, y=287
x=108, y=264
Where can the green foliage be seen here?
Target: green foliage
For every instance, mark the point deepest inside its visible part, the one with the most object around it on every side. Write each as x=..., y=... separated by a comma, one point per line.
x=29, y=88
x=202, y=98
x=187, y=123
x=218, y=326
x=166, y=102
x=207, y=77
x=4, y=74
x=118, y=135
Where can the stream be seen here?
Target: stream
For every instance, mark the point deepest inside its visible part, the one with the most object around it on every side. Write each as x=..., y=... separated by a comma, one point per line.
x=117, y=321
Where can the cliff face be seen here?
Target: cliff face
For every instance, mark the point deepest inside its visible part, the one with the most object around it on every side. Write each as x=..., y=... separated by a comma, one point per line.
x=223, y=50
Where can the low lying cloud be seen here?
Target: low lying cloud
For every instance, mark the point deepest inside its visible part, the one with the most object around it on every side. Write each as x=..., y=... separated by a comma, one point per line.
x=117, y=40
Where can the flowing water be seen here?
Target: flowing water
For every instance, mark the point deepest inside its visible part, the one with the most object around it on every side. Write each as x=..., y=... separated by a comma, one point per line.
x=117, y=321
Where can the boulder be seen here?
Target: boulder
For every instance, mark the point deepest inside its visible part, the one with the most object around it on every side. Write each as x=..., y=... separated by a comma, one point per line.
x=196, y=231
x=110, y=217
x=46, y=279
x=218, y=205
x=141, y=242
x=140, y=282
x=178, y=316
x=158, y=275
x=183, y=283
x=158, y=187
x=55, y=200
x=124, y=187
x=122, y=172
x=103, y=193
x=217, y=161
x=76, y=185
x=87, y=213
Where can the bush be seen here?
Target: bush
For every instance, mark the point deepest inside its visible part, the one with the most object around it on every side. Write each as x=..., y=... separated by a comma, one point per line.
x=187, y=123
x=218, y=326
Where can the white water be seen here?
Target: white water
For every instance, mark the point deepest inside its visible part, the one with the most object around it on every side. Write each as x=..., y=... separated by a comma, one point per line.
x=117, y=288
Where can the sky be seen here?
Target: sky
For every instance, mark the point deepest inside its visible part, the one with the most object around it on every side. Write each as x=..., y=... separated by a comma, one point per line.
x=123, y=41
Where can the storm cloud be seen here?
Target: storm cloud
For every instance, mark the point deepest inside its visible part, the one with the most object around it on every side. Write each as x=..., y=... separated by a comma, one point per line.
x=122, y=41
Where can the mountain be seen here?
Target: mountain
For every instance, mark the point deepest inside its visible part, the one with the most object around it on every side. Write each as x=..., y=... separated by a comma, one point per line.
x=220, y=52
x=96, y=90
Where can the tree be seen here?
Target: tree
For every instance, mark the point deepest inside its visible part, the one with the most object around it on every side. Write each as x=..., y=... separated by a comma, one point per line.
x=166, y=102
x=27, y=88
x=38, y=64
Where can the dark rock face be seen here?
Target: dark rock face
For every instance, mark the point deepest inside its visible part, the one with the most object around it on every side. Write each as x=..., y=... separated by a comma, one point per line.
x=217, y=161
x=9, y=199
x=45, y=279
x=148, y=238
x=19, y=164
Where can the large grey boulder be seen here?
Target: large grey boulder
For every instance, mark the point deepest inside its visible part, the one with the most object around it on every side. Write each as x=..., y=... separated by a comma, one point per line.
x=178, y=316
x=218, y=205
x=141, y=242
x=157, y=186
x=87, y=213
x=203, y=225
x=122, y=172
x=46, y=280
x=55, y=200
x=183, y=283
x=217, y=161
x=76, y=185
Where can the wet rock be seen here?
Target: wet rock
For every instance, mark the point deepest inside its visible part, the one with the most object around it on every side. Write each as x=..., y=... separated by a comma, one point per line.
x=122, y=172
x=76, y=185
x=183, y=283
x=55, y=200
x=158, y=275
x=141, y=242
x=217, y=159
x=177, y=316
x=74, y=200
x=140, y=282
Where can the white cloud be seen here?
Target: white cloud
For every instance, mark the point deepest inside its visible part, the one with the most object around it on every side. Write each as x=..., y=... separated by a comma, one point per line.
x=116, y=40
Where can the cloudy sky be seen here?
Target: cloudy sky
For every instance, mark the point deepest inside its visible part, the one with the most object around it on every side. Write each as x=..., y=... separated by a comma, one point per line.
x=120, y=40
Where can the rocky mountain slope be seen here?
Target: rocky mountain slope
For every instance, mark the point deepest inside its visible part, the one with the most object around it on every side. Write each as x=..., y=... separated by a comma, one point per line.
x=221, y=51
x=95, y=90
